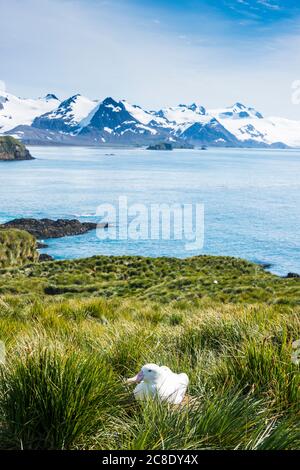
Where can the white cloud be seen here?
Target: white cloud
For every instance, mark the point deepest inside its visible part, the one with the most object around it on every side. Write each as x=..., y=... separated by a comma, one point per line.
x=100, y=49
x=268, y=4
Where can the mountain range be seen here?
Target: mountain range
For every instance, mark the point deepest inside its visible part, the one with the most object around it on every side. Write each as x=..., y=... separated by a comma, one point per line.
x=81, y=121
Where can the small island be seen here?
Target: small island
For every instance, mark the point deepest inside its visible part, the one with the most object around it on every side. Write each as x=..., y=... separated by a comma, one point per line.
x=12, y=149
x=160, y=146
x=170, y=146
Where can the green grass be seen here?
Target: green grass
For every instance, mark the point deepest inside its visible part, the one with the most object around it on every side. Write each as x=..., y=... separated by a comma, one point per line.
x=17, y=248
x=51, y=398
x=223, y=279
x=69, y=349
x=8, y=144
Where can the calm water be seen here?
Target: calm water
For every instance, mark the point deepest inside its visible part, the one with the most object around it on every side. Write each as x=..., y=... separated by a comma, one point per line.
x=251, y=198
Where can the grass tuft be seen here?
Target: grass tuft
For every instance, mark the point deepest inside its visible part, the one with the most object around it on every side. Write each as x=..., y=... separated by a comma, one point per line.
x=68, y=354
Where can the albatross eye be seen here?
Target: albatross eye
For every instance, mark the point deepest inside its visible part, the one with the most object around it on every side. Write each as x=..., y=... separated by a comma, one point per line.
x=149, y=370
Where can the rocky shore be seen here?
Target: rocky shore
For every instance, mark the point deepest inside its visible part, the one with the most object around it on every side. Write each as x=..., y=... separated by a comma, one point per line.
x=13, y=150
x=47, y=228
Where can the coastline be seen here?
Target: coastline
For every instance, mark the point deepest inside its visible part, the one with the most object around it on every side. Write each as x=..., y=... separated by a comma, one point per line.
x=235, y=186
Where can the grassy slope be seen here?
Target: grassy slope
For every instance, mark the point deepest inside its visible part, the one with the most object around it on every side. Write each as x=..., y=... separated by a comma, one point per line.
x=164, y=279
x=17, y=248
x=9, y=145
x=75, y=329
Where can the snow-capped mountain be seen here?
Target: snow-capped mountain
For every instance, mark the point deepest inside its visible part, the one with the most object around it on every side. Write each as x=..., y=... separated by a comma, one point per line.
x=18, y=111
x=194, y=125
x=148, y=118
x=237, y=111
x=247, y=124
x=67, y=116
x=79, y=120
x=182, y=114
x=112, y=122
x=208, y=132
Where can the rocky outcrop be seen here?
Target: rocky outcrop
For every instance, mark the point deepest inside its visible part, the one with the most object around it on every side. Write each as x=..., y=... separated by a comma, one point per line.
x=40, y=245
x=47, y=228
x=160, y=146
x=45, y=258
x=13, y=150
x=293, y=276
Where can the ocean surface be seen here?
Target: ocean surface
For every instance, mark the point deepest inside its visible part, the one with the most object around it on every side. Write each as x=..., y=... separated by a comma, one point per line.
x=251, y=198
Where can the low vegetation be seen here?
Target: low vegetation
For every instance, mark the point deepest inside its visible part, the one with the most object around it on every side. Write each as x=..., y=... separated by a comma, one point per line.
x=13, y=149
x=17, y=248
x=160, y=279
x=74, y=330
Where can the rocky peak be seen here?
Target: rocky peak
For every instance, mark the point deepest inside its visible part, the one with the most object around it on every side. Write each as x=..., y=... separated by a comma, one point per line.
x=50, y=96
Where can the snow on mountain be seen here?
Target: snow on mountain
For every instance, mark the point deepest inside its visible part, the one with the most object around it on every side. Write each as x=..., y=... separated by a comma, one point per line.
x=67, y=117
x=194, y=125
x=81, y=120
x=246, y=124
x=237, y=111
x=145, y=117
x=287, y=129
x=110, y=114
x=209, y=131
x=18, y=111
x=120, y=122
x=183, y=114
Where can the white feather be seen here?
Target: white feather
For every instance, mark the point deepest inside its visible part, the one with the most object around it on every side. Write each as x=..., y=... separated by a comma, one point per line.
x=162, y=383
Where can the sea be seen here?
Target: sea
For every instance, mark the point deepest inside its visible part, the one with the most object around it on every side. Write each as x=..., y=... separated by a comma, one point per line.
x=248, y=201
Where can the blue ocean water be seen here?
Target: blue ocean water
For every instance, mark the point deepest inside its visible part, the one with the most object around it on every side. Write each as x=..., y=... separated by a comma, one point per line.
x=251, y=198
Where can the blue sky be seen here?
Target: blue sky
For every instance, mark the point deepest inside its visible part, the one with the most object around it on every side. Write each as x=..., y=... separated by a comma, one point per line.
x=155, y=53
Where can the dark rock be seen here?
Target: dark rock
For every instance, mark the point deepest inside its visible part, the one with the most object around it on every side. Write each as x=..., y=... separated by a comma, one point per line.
x=13, y=150
x=161, y=146
x=182, y=146
x=111, y=113
x=51, y=96
x=293, y=276
x=47, y=228
x=41, y=245
x=209, y=133
x=45, y=257
x=265, y=264
x=112, y=123
x=61, y=119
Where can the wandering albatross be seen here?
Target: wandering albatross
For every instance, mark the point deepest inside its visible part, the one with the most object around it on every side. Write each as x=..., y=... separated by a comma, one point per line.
x=160, y=382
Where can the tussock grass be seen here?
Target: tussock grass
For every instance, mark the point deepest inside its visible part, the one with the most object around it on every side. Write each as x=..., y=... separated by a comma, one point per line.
x=67, y=356
x=51, y=398
x=164, y=280
x=17, y=248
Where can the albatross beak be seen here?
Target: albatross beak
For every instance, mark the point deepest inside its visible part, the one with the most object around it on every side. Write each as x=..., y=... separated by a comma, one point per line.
x=136, y=379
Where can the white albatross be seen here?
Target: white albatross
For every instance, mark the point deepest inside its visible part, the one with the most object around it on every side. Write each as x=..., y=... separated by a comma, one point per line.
x=160, y=382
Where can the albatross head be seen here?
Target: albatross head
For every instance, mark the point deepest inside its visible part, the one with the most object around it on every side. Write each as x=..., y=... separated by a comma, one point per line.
x=149, y=373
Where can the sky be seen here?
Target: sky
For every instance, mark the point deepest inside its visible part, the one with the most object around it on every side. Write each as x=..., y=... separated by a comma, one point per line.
x=155, y=53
